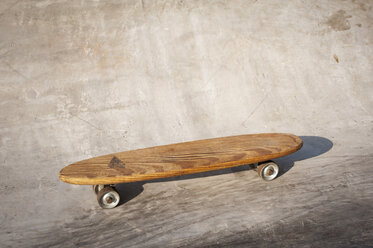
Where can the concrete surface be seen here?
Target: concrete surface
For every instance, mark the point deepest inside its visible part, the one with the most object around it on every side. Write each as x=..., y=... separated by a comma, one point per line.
x=86, y=78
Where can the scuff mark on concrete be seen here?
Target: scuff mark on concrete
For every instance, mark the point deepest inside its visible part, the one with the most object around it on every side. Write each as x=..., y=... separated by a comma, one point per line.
x=339, y=21
x=9, y=8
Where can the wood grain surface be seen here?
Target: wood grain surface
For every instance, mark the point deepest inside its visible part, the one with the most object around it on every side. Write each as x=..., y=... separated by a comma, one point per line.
x=182, y=158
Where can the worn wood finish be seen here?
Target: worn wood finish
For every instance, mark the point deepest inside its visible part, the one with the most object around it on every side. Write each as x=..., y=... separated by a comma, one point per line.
x=181, y=158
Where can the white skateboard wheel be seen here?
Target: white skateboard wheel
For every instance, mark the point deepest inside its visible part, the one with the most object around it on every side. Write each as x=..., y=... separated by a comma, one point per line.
x=108, y=197
x=268, y=170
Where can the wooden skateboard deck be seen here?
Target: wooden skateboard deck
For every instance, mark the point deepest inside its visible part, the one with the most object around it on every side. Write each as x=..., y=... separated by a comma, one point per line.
x=178, y=159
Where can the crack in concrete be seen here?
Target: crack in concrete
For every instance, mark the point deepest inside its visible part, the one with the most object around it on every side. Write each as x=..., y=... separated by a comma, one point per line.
x=254, y=110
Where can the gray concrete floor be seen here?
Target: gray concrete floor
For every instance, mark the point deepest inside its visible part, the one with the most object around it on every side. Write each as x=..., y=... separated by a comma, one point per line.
x=86, y=78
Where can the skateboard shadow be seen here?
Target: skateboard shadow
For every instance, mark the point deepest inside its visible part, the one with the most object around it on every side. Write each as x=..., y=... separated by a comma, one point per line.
x=128, y=191
x=313, y=146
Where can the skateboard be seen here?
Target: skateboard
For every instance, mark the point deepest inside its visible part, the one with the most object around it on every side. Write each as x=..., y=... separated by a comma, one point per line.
x=104, y=172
